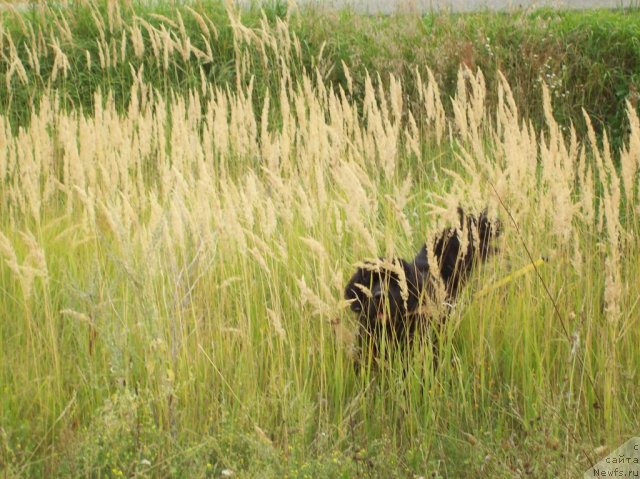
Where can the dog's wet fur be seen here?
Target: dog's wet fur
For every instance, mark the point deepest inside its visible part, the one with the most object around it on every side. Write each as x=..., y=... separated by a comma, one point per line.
x=395, y=298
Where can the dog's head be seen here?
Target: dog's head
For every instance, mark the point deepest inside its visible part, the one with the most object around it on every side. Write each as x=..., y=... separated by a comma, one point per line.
x=457, y=250
x=383, y=293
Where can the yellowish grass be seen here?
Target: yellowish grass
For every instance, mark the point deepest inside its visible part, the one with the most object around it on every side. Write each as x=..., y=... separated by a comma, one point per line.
x=194, y=250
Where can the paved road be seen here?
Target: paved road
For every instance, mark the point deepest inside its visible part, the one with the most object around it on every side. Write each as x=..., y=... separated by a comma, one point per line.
x=391, y=6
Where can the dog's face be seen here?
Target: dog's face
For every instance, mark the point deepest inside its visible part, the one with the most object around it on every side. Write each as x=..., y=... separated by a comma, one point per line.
x=383, y=296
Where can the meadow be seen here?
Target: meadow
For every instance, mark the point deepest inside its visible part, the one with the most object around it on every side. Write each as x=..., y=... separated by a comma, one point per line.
x=176, y=232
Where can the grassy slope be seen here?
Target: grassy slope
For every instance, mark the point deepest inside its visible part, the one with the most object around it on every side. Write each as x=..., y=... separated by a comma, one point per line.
x=590, y=60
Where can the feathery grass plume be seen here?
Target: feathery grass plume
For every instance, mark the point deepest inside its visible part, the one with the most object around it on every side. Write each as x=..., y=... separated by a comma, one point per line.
x=87, y=55
x=114, y=16
x=614, y=183
x=202, y=24
x=586, y=190
x=559, y=172
x=9, y=75
x=167, y=45
x=609, y=179
x=315, y=246
x=27, y=188
x=402, y=281
x=15, y=66
x=123, y=46
x=261, y=261
x=268, y=142
x=268, y=218
x=34, y=264
x=154, y=39
x=276, y=323
x=610, y=182
x=460, y=103
x=15, y=15
x=108, y=224
x=357, y=203
x=613, y=288
x=243, y=131
x=77, y=316
x=477, y=100
x=64, y=31
x=384, y=125
x=347, y=76
x=183, y=43
x=218, y=111
x=35, y=255
x=5, y=154
x=412, y=137
x=435, y=294
x=433, y=106
x=307, y=213
x=137, y=41
x=102, y=55
x=307, y=296
x=261, y=247
x=367, y=292
x=164, y=19
x=10, y=256
x=630, y=157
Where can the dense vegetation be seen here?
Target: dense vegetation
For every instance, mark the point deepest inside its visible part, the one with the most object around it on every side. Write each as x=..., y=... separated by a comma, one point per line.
x=589, y=60
x=185, y=192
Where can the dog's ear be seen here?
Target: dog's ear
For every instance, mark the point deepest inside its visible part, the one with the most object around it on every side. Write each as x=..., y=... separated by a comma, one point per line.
x=421, y=261
x=488, y=231
x=455, y=264
x=447, y=250
x=353, y=293
x=415, y=282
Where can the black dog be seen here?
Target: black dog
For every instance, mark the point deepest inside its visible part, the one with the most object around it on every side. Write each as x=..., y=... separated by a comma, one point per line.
x=395, y=298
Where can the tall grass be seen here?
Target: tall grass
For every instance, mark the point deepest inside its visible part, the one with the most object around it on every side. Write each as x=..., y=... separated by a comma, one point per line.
x=588, y=59
x=172, y=279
